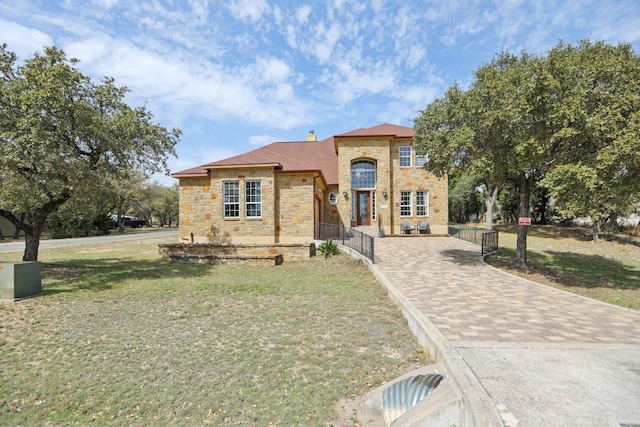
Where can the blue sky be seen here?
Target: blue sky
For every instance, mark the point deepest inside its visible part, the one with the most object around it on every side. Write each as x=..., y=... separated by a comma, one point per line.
x=237, y=74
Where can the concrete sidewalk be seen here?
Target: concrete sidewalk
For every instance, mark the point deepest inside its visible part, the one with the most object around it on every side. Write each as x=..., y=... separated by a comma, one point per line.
x=525, y=354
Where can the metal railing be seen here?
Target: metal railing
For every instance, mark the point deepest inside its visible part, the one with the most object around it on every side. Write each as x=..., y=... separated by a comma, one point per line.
x=488, y=239
x=350, y=237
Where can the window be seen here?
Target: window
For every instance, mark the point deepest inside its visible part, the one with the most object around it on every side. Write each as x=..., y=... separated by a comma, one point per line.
x=405, y=203
x=422, y=203
x=363, y=174
x=405, y=155
x=232, y=199
x=353, y=206
x=421, y=160
x=253, y=199
x=333, y=198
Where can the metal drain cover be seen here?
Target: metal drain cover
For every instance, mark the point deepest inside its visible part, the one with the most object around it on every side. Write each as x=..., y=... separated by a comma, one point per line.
x=402, y=396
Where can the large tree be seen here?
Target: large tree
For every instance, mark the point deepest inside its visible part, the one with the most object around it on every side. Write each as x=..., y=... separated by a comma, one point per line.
x=598, y=86
x=492, y=129
x=63, y=136
x=527, y=117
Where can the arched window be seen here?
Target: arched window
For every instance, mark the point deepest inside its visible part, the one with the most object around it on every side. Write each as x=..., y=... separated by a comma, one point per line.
x=363, y=174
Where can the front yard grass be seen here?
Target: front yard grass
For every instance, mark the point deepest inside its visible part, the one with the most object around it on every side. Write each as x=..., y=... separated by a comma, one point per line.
x=121, y=337
x=568, y=259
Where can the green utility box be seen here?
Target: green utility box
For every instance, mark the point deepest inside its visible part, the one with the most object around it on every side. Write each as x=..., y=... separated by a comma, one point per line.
x=20, y=279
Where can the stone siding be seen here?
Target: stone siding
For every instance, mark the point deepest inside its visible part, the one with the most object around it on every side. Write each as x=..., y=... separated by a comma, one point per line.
x=272, y=254
x=392, y=179
x=294, y=207
x=202, y=208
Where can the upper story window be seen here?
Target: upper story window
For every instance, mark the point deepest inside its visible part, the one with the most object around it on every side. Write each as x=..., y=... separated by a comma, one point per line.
x=404, y=154
x=253, y=199
x=232, y=199
x=363, y=174
x=421, y=160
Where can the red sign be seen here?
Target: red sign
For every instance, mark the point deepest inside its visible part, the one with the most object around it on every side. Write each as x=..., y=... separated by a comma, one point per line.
x=524, y=221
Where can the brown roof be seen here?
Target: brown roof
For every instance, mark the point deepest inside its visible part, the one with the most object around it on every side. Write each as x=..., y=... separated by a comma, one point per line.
x=384, y=129
x=298, y=156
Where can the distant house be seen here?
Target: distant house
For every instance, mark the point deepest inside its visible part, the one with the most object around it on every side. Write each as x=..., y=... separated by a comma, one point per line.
x=369, y=178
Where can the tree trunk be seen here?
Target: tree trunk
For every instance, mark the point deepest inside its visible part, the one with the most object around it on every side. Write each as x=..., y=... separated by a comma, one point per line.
x=32, y=244
x=490, y=201
x=523, y=211
x=596, y=231
x=1, y=235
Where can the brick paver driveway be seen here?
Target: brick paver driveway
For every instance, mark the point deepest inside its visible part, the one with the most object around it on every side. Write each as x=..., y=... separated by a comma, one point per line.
x=544, y=356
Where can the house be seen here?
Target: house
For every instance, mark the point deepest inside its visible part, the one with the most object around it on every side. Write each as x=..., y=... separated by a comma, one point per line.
x=369, y=178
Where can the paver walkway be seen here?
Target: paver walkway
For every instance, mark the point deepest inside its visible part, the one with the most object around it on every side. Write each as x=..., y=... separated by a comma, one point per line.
x=544, y=356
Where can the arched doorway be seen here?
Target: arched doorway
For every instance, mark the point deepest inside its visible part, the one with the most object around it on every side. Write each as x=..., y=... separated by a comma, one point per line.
x=363, y=186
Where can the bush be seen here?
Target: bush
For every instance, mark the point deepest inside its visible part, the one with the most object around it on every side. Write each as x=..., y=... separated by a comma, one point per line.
x=329, y=248
x=60, y=227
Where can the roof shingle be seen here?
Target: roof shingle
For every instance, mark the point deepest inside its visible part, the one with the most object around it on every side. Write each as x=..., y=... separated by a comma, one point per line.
x=298, y=156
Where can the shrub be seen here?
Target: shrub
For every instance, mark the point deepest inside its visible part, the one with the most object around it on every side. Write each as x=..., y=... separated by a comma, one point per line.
x=329, y=248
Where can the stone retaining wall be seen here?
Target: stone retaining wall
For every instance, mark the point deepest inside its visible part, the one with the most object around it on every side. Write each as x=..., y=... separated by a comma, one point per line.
x=258, y=254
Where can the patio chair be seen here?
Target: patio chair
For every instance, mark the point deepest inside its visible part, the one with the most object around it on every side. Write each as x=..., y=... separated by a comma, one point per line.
x=423, y=228
x=406, y=228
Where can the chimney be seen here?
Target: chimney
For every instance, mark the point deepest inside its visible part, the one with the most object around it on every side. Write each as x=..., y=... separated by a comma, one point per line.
x=311, y=136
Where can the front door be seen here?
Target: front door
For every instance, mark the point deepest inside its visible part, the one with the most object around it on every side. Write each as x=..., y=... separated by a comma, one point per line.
x=363, y=207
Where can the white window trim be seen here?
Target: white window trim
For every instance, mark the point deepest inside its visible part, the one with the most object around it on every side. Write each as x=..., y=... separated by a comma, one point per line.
x=247, y=202
x=400, y=156
x=426, y=204
x=224, y=200
x=410, y=204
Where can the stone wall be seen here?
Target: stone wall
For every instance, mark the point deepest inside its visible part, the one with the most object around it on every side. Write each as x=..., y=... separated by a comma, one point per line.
x=330, y=213
x=294, y=207
x=261, y=254
x=202, y=208
x=414, y=179
x=392, y=179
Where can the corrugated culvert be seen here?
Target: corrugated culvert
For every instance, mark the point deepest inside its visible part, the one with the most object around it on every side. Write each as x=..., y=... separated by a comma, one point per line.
x=400, y=397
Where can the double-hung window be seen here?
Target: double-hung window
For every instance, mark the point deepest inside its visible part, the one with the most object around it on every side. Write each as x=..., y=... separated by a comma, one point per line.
x=253, y=199
x=405, y=203
x=232, y=199
x=404, y=154
x=422, y=203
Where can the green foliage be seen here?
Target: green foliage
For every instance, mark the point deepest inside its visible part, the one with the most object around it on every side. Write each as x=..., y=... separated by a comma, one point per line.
x=464, y=198
x=526, y=116
x=63, y=136
x=62, y=226
x=329, y=248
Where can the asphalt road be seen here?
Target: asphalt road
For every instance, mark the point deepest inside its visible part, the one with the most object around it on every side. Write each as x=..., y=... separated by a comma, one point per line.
x=63, y=243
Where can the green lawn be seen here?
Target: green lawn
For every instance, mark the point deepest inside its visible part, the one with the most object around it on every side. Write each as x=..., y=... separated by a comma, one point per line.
x=567, y=258
x=121, y=337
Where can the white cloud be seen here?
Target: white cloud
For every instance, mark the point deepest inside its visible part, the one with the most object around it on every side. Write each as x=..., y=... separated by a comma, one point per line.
x=248, y=10
x=302, y=14
x=106, y=4
x=23, y=41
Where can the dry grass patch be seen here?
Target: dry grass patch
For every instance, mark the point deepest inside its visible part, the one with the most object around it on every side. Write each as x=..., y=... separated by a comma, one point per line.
x=568, y=259
x=122, y=337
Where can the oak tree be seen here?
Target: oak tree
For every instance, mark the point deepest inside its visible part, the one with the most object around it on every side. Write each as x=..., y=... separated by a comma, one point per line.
x=63, y=135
